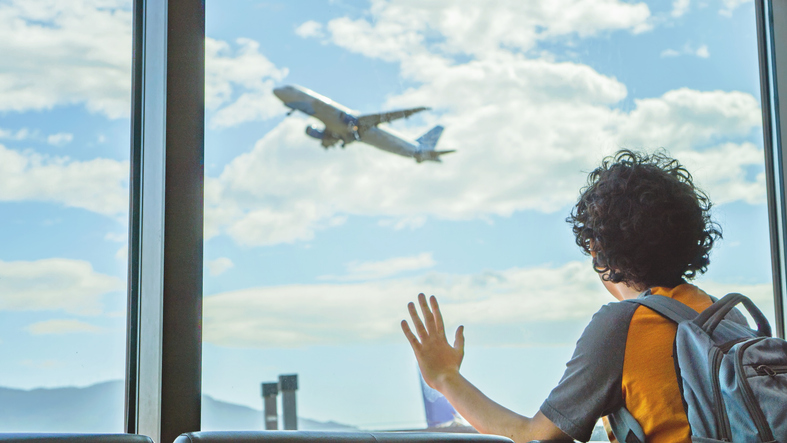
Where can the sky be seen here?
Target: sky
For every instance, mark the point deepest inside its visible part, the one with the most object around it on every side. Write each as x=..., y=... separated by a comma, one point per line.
x=311, y=255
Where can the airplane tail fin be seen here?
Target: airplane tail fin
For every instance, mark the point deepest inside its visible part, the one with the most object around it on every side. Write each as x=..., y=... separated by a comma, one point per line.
x=429, y=140
x=439, y=413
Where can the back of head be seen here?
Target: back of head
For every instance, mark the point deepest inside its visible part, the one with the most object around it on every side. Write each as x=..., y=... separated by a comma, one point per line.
x=645, y=220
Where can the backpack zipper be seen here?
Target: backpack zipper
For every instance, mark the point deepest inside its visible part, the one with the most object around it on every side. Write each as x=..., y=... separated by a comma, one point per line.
x=751, y=402
x=722, y=421
x=772, y=370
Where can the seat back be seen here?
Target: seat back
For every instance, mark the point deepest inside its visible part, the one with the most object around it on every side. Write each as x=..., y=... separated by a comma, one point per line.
x=335, y=437
x=26, y=437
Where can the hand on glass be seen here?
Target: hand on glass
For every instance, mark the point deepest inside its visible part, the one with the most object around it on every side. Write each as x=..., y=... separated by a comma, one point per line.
x=437, y=359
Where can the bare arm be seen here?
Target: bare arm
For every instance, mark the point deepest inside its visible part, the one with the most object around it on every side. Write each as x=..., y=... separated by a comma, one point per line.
x=440, y=362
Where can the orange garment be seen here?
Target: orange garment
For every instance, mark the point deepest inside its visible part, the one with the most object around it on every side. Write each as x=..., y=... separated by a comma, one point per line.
x=650, y=384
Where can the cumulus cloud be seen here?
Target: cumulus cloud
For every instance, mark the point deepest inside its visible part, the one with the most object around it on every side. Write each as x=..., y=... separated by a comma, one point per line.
x=299, y=315
x=530, y=152
x=219, y=266
x=728, y=6
x=98, y=185
x=701, y=51
x=526, y=130
x=399, y=29
x=385, y=268
x=238, y=83
x=62, y=326
x=60, y=139
x=86, y=44
x=525, y=303
x=54, y=284
x=310, y=28
x=680, y=8
x=20, y=134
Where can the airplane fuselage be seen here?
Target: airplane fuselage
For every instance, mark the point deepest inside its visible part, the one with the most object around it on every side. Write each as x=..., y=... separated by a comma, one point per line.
x=342, y=124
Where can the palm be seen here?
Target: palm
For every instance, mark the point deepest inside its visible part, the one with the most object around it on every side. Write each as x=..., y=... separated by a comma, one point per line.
x=436, y=357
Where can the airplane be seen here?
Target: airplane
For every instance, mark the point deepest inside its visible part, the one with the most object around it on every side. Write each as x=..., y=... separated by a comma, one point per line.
x=343, y=125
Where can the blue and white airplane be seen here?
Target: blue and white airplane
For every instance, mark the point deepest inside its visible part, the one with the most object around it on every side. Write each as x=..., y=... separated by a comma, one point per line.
x=343, y=125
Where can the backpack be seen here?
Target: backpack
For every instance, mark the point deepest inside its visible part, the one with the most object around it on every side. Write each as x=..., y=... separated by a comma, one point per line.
x=733, y=379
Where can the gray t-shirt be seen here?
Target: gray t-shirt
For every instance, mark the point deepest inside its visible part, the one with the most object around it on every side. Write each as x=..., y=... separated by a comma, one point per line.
x=591, y=386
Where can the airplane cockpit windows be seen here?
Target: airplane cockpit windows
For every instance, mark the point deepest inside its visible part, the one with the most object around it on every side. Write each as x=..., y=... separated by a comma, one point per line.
x=468, y=128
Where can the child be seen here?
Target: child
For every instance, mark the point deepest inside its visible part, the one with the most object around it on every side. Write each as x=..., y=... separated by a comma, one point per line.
x=648, y=230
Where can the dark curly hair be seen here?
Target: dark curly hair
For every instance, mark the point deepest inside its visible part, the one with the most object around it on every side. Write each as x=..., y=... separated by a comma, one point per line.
x=645, y=220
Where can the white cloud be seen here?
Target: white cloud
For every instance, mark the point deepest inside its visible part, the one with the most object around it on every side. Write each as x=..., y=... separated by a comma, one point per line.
x=85, y=45
x=54, y=284
x=238, y=83
x=60, y=139
x=526, y=130
x=385, y=268
x=98, y=185
x=525, y=304
x=87, y=49
x=728, y=6
x=63, y=326
x=519, y=135
x=300, y=315
x=399, y=29
x=701, y=51
x=219, y=266
x=722, y=172
x=680, y=8
x=21, y=134
x=310, y=28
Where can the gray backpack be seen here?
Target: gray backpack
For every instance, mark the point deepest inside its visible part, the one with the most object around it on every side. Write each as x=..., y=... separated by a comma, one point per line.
x=733, y=379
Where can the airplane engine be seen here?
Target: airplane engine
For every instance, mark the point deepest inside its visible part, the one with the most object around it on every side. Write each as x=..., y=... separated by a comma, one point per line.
x=311, y=131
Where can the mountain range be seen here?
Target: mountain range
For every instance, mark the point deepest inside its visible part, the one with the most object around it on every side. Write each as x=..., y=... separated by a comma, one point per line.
x=99, y=409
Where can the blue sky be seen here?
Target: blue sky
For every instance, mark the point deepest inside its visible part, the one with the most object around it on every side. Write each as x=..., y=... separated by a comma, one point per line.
x=311, y=255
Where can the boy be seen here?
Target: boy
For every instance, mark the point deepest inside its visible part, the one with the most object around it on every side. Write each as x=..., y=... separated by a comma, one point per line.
x=648, y=229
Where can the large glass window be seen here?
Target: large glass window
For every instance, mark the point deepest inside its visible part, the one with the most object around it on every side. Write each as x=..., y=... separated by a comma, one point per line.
x=312, y=253
x=65, y=77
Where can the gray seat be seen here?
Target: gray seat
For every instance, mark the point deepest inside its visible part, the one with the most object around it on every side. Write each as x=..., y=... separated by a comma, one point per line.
x=14, y=437
x=339, y=437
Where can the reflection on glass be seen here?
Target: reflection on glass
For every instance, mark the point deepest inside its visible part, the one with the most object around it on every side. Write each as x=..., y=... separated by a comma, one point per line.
x=64, y=130
x=313, y=250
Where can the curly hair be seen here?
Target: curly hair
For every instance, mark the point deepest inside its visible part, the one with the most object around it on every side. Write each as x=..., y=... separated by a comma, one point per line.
x=645, y=220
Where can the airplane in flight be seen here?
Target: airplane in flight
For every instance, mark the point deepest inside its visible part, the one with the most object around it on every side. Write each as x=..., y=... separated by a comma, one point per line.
x=343, y=125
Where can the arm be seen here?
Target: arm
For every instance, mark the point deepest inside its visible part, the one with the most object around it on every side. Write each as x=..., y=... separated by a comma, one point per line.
x=439, y=363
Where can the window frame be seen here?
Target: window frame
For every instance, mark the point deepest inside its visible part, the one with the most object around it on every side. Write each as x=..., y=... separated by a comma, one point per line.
x=164, y=342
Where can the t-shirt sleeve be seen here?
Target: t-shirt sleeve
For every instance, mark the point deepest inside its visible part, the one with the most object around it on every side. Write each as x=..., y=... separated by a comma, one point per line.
x=591, y=385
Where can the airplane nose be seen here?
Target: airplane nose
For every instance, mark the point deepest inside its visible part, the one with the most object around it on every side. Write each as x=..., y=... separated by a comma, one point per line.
x=279, y=92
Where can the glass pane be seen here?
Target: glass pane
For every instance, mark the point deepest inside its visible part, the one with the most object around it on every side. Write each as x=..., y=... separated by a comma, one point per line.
x=311, y=254
x=65, y=78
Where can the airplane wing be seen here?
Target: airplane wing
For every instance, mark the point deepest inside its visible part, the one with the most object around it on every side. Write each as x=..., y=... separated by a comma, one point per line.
x=369, y=120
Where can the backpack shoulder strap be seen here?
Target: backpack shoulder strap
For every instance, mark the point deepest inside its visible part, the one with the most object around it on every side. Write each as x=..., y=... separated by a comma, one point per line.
x=625, y=427
x=667, y=307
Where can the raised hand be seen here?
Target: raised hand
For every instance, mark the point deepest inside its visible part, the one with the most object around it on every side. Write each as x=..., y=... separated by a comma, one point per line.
x=437, y=359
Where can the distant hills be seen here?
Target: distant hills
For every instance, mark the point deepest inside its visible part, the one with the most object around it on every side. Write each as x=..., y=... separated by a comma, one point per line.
x=99, y=408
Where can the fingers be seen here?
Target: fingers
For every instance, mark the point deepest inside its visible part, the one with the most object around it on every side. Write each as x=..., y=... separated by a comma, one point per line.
x=410, y=336
x=419, y=326
x=438, y=317
x=459, y=340
x=428, y=316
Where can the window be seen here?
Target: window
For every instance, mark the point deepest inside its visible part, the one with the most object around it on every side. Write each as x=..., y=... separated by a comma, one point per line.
x=311, y=254
x=64, y=132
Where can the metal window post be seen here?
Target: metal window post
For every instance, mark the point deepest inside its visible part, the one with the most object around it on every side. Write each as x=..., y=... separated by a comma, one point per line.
x=772, y=44
x=163, y=379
